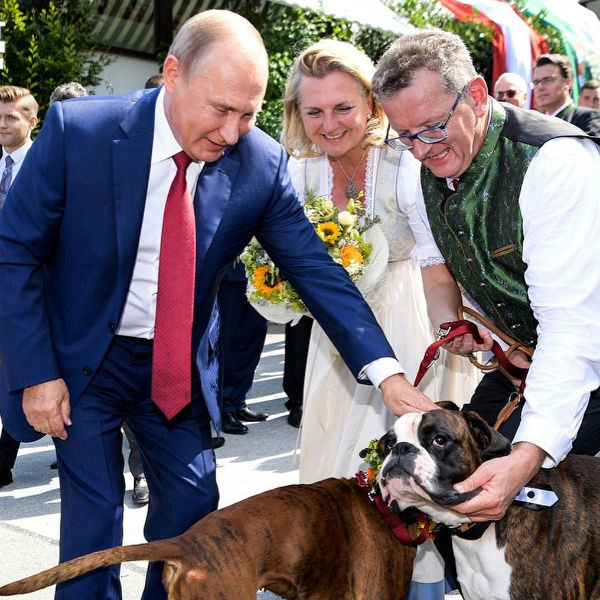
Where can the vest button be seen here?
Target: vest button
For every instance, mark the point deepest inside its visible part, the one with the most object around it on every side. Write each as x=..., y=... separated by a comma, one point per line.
x=500, y=304
x=460, y=232
x=469, y=260
x=515, y=326
x=87, y=371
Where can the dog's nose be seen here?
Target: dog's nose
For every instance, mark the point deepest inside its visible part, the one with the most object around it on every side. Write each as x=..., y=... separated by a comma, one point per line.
x=404, y=448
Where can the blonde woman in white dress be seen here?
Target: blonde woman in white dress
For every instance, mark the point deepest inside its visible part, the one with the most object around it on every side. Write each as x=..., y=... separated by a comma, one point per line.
x=334, y=131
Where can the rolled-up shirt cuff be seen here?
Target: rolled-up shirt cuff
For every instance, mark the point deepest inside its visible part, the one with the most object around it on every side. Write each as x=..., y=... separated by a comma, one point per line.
x=380, y=369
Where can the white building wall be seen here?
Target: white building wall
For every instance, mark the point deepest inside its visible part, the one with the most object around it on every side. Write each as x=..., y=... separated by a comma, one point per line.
x=125, y=74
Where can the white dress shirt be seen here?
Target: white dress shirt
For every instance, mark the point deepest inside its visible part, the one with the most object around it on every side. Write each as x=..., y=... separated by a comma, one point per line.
x=18, y=156
x=140, y=307
x=561, y=228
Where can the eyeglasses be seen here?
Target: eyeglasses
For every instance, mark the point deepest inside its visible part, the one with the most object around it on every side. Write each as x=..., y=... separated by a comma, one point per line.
x=545, y=80
x=507, y=93
x=431, y=135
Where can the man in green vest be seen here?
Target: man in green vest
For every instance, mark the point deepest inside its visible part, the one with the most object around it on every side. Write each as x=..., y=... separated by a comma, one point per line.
x=511, y=212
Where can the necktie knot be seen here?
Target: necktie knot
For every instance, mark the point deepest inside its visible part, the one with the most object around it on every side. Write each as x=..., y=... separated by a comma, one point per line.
x=9, y=161
x=182, y=161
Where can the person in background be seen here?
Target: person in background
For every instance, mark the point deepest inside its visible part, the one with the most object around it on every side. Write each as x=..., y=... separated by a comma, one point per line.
x=243, y=333
x=510, y=203
x=297, y=339
x=334, y=131
x=590, y=94
x=18, y=118
x=552, y=82
x=113, y=245
x=64, y=91
x=511, y=88
x=154, y=81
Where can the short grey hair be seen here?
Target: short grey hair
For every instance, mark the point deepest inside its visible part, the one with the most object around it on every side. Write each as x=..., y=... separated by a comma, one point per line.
x=194, y=40
x=515, y=79
x=432, y=49
x=64, y=91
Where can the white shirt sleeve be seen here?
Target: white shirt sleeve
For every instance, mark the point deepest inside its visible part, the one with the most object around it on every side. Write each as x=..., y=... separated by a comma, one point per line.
x=561, y=226
x=425, y=252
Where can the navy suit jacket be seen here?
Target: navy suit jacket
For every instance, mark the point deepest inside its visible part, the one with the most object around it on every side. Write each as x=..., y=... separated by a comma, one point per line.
x=69, y=233
x=587, y=119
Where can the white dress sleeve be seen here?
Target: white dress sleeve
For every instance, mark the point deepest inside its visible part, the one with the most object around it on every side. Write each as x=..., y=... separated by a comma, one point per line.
x=410, y=200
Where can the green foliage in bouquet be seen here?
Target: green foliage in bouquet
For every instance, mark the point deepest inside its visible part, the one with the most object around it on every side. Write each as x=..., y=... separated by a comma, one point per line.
x=340, y=231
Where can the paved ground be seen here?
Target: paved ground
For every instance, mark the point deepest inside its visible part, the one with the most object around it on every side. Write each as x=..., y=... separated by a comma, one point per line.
x=247, y=464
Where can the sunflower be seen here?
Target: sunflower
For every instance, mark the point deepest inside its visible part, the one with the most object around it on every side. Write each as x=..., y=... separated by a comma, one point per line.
x=329, y=232
x=261, y=282
x=349, y=253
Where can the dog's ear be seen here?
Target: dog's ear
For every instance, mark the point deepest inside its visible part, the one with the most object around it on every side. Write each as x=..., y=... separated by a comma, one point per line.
x=447, y=404
x=489, y=441
x=386, y=443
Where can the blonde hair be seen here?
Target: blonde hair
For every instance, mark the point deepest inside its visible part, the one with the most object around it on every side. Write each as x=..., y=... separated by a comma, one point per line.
x=26, y=103
x=319, y=59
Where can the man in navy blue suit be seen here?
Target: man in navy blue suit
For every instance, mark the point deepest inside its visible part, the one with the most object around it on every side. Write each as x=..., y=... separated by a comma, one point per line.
x=79, y=259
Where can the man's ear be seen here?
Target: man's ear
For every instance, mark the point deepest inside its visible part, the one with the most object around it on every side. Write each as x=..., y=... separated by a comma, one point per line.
x=478, y=92
x=490, y=443
x=171, y=71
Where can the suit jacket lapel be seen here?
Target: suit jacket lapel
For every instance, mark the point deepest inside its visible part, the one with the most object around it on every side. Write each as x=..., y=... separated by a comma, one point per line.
x=131, y=167
x=210, y=201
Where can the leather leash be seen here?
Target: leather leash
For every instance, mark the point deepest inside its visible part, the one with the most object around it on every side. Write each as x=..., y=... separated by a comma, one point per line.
x=451, y=329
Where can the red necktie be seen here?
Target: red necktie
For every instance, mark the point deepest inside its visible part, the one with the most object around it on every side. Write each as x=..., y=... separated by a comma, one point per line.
x=172, y=360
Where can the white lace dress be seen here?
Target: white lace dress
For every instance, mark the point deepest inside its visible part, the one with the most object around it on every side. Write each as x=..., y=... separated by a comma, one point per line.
x=341, y=415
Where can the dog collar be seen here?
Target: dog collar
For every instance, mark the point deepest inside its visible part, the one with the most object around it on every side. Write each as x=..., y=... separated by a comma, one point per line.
x=412, y=528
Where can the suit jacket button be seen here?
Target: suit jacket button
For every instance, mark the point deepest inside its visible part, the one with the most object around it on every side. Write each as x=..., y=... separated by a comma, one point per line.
x=87, y=371
x=112, y=327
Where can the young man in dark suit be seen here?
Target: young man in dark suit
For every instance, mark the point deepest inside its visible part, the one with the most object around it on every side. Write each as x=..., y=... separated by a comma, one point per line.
x=552, y=82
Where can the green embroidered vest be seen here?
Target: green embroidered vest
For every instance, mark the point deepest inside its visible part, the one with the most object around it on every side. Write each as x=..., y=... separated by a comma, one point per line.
x=479, y=229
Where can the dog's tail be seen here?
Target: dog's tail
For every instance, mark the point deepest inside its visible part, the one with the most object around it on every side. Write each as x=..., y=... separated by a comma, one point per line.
x=160, y=550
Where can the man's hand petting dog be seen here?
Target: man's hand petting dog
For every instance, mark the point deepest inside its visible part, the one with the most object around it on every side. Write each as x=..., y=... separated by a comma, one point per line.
x=499, y=481
x=401, y=397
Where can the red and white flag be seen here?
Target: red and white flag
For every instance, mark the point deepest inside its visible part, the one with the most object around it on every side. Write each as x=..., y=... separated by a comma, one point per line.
x=515, y=44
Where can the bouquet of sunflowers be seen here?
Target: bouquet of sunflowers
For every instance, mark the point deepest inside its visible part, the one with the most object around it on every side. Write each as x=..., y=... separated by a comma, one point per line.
x=351, y=238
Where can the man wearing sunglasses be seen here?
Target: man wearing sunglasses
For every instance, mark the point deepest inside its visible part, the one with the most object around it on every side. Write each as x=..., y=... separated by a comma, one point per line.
x=510, y=201
x=511, y=88
x=552, y=82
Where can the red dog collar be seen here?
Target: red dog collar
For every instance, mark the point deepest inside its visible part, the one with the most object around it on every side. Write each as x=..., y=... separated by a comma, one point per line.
x=410, y=533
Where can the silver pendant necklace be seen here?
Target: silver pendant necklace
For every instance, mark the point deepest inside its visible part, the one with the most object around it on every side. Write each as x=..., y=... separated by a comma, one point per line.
x=351, y=190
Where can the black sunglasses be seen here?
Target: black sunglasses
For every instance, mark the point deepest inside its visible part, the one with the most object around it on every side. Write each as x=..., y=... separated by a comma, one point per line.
x=508, y=93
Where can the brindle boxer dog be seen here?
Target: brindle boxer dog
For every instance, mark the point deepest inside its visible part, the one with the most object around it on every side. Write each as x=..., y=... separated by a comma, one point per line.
x=321, y=541
x=550, y=554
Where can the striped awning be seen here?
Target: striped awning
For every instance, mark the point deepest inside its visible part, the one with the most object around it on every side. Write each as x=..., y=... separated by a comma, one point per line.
x=130, y=24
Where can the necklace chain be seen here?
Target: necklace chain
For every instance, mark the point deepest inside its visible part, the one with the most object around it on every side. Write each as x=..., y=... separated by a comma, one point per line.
x=351, y=190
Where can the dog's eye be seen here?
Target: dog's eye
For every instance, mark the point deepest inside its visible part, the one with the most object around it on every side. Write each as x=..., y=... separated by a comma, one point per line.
x=389, y=444
x=439, y=441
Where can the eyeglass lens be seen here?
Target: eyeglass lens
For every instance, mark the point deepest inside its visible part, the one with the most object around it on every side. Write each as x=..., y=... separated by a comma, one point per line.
x=545, y=80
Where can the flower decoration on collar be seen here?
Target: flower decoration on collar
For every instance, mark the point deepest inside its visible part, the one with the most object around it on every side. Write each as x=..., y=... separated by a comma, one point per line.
x=373, y=460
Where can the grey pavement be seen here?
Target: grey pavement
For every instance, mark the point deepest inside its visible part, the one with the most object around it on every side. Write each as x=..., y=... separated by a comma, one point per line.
x=260, y=460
